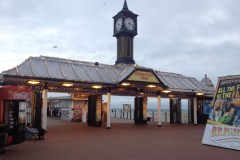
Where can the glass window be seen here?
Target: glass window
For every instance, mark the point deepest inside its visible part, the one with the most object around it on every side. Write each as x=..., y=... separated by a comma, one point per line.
x=206, y=106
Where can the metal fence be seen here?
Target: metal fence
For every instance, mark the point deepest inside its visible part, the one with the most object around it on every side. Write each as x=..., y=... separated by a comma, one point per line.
x=152, y=115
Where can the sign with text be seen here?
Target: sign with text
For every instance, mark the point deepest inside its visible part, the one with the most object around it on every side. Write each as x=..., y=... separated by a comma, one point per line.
x=223, y=126
x=79, y=92
x=126, y=107
x=143, y=76
x=15, y=92
x=78, y=96
x=66, y=89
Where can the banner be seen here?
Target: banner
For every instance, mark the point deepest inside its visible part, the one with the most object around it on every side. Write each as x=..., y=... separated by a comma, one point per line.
x=223, y=125
x=222, y=136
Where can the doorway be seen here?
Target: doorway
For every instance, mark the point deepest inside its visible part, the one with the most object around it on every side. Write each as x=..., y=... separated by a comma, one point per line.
x=175, y=111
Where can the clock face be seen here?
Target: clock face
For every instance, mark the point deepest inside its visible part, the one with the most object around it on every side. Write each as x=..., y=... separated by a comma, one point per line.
x=118, y=24
x=129, y=23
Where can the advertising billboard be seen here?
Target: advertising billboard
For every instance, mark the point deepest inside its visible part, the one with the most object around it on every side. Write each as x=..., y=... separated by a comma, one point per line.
x=223, y=125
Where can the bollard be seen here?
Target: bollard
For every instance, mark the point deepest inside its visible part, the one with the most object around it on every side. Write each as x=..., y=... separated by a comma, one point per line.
x=165, y=116
x=115, y=113
x=127, y=115
x=152, y=115
x=123, y=114
x=130, y=113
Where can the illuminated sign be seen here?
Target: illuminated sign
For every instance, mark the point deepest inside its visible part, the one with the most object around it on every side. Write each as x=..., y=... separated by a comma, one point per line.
x=77, y=96
x=143, y=76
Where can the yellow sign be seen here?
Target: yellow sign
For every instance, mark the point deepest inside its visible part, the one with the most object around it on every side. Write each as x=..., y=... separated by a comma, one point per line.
x=78, y=96
x=143, y=76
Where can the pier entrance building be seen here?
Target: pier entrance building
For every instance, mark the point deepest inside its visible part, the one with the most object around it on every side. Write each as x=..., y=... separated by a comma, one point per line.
x=124, y=78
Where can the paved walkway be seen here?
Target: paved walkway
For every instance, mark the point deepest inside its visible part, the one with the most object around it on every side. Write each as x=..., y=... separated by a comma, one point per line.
x=66, y=140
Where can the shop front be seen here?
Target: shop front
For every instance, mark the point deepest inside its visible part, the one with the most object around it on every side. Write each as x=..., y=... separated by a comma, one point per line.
x=15, y=112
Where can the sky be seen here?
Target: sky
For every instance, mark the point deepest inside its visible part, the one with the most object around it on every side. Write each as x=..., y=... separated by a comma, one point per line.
x=189, y=37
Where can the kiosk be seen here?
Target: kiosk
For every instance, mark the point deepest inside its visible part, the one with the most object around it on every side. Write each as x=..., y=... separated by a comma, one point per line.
x=13, y=106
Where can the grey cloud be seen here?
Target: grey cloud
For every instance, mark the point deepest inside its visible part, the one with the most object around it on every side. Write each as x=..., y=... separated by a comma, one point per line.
x=187, y=37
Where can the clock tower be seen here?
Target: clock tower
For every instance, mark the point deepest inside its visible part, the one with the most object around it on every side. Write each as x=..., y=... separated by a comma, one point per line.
x=125, y=28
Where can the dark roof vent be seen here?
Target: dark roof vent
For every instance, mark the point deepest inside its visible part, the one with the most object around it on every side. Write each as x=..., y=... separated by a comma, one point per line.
x=96, y=64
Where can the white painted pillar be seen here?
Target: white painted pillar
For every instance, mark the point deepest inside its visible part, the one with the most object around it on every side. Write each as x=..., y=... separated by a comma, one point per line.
x=108, y=110
x=195, y=110
x=44, y=109
x=159, y=111
x=84, y=111
x=71, y=111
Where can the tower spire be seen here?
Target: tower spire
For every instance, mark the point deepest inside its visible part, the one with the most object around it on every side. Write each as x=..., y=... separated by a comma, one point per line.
x=125, y=6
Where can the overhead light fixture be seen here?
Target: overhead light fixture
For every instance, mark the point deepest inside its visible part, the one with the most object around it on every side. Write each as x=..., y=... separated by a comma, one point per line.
x=97, y=86
x=33, y=82
x=125, y=84
x=67, y=84
x=200, y=93
x=166, y=91
x=151, y=86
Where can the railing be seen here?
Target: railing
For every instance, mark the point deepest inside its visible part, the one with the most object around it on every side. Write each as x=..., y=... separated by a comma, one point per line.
x=152, y=115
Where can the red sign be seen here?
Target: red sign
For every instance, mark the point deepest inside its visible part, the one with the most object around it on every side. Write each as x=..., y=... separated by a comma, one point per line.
x=15, y=93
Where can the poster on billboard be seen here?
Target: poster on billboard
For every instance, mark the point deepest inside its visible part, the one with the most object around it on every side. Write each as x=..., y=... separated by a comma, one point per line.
x=99, y=108
x=77, y=111
x=223, y=125
x=126, y=107
x=145, y=113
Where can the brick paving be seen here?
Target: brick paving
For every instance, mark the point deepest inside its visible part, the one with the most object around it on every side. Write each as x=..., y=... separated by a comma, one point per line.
x=67, y=140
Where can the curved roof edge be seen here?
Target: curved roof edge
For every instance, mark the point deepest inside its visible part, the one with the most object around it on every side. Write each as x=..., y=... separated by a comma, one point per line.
x=96, y=71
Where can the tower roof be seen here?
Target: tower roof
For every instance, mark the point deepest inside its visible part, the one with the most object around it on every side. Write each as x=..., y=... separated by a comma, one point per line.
x=125, y=6
x=207, y=81
x=125, y=10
